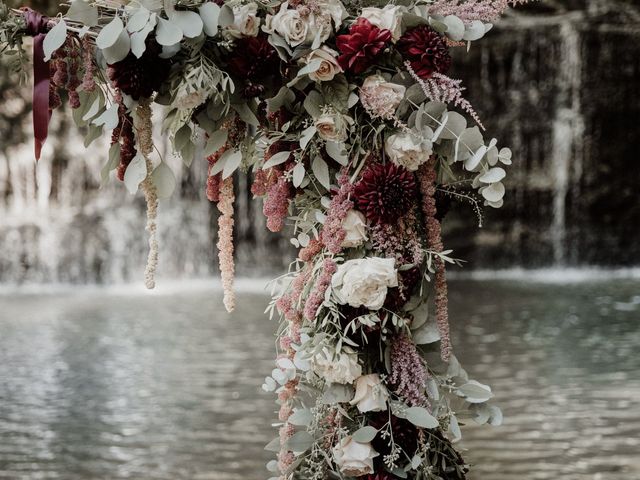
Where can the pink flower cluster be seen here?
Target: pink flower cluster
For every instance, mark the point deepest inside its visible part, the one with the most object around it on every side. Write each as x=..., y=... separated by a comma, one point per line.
x=315, y=299
x=225, y=243
x=276, y=203
x=333, y=234
x=408, y=372
x=428, y=175
x=470, y=10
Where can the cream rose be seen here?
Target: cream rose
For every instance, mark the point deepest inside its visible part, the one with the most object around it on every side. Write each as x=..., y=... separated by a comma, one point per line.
x=381, y=98
x=329, y=66
x=387, y=18
x=340, y=368
x=355, y=226
x=371, y=395
x=332, y=127
x=364, y=282
x=354, y=459
x=246, y=22
x=290, y=25
x=408, y=150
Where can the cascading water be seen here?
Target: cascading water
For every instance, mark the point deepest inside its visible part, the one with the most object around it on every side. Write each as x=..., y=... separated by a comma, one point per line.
x=561, y=92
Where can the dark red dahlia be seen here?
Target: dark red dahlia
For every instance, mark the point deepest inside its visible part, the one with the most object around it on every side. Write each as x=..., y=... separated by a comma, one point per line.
x=426, y=50
x=361, y=46
x=254, y=60
x=405, y=434
x=397, y=297
x=385, y=192
x=140, y=77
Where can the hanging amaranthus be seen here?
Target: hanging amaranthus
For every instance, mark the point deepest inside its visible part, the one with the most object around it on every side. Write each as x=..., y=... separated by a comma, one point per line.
x=145, y=147
x=428, y=177
x=225, y=242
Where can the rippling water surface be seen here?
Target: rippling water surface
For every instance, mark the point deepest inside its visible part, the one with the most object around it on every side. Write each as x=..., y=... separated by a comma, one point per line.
x=111, y=385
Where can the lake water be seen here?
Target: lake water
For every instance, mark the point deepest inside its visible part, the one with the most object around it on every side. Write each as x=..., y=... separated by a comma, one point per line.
x=119, y=384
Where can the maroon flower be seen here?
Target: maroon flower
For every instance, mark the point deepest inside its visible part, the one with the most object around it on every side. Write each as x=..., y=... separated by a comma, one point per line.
x=425, y=49
x=140, y=77
x=405, y=434
x=361, y=46
x=380, y=475
x=254, y=60
x=385, y=192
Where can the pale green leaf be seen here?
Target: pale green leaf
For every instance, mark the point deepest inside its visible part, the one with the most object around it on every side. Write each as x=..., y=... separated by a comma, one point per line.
x=54, y=40
x=164, y=180
x=210, y=12
x=110, y=33
x=321, y=171
x=167, y=33
x=365, y=434
x=421, y=417
x=135, y=173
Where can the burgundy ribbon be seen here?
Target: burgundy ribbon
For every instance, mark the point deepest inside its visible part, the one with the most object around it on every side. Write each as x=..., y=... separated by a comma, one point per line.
x=37, y=27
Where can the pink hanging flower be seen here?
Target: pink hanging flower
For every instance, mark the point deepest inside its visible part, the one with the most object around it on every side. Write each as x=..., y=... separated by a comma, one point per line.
x=333, y=234
x=315, y=299
x=276, y=204
x=225, y=243
x=408, y=372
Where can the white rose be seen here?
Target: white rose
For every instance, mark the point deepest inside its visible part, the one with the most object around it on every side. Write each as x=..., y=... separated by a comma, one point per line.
x=329, y=66
x=381, y=98
x=354, y=459
x=364, y=282
x=332, y=127
x=246, y=22
x=290, y=25
x=354, y=224
x=408, y=150
x=334, y=9
x=387, y=18
x=371, y=395
x=342, y=368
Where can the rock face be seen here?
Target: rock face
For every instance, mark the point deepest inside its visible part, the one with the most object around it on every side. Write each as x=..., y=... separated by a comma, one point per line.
x=558, y=82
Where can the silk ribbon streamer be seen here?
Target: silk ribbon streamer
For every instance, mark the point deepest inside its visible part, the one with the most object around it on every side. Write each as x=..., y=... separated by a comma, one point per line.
x=37, y=27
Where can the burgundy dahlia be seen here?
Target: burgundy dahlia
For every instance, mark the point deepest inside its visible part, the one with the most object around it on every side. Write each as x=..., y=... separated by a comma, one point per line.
x=405, y=434
x=385, y=192
x=140, y=77
x=426, y=50
x=361, y=46
x=254, y=60
x=381, y=475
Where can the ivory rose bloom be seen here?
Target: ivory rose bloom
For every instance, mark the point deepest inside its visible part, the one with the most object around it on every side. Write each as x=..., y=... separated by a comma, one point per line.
x=340, y=368
x=408, y=150
x=363, y=282
x=371, y=395
x=246, y=22
x=387, y=18
x=332, y=127
x=329, y=66
x=354, y=459
x=355, y=226
x=290, y=25
x=381, y=98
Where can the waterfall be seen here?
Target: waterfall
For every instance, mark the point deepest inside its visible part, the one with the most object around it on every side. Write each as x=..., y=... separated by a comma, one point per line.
x=568, y=133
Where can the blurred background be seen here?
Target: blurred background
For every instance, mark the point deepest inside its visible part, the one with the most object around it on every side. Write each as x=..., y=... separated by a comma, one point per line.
x=101, y=380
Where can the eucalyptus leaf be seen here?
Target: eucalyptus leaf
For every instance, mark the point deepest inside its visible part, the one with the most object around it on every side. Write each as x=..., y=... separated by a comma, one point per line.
x=337, y=151
x=321, y=171
x=277, y=159
x=365, y=434
x=273, y=445
x=109, y=118
x=301, y=418
x=110, y=33
x=209, y=13
x=189, y=22
x=167, y=33
x=138, y=20
x=135, y=173
x=421, y=417
x=215, y=142
x=112, y=163
x=298, y=174
x=164, y=180
x=119, y=50
x=233, y=162
x=54, y=39
x=475, y=392
x=306, y=136
x=299, y=442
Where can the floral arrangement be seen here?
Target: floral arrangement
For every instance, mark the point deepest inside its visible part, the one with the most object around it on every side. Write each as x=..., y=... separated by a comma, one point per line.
x=357, y=139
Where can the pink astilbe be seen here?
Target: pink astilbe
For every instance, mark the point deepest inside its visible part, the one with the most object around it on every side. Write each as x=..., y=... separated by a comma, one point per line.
x=309, y=252
x=333, y=234
x=315, y=299
x=408, y=372
x=470, y=10
x=428, y=175
x=276, y=203
x=214, y=182
x=88, y=80
x=225, y=243
x=440, y=88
